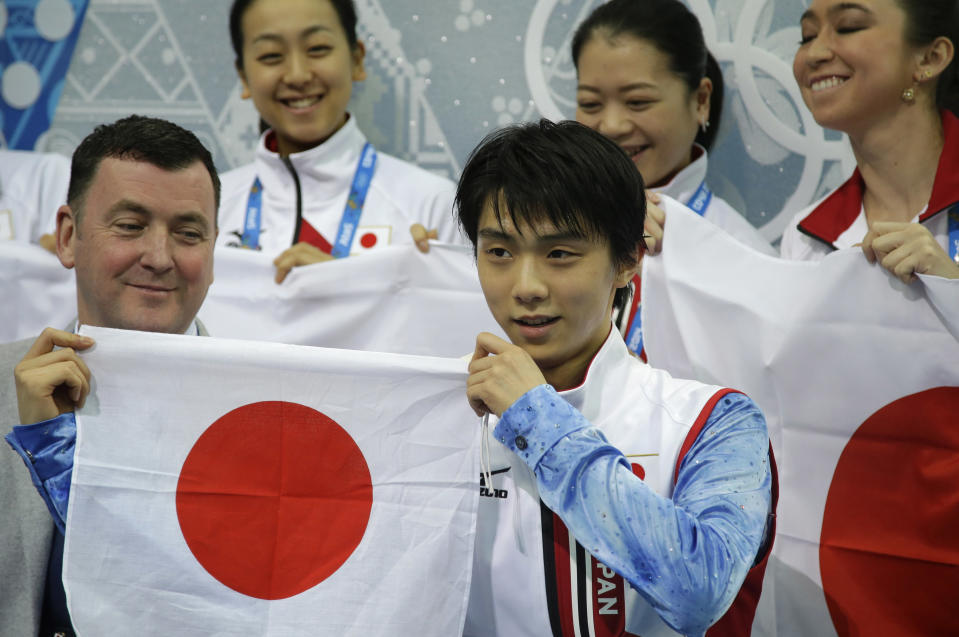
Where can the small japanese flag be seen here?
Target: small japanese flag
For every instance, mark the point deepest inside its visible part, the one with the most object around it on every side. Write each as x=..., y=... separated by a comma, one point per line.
x=242, y=488
x=369, y=238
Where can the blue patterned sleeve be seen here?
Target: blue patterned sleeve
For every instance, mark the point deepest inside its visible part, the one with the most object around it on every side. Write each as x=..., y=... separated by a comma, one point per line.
x=47, y=449
x=687, y=555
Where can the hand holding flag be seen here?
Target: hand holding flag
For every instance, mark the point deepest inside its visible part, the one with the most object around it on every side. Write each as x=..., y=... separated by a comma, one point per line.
x=52, y=381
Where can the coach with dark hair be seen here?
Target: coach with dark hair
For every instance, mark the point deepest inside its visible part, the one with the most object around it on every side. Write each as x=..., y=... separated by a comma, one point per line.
x=139, y=228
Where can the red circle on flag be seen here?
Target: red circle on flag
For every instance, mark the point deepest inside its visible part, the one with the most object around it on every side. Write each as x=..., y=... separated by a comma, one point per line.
x=273, y=498
x=368, y=240
x=889, y=551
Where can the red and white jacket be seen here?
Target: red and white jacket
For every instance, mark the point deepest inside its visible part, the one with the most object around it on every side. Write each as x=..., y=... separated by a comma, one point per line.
x=530, y=575
x=304, y=196
x=839, y=221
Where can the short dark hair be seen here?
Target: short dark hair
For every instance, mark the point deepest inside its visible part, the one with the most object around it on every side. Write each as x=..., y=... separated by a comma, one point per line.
x=564, y=173
x=675, y=31
x=345, y=11
x=927, y=20
x=137, y=138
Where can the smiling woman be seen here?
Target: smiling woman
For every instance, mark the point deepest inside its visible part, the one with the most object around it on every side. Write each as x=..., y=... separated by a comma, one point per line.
x=317, y=189
x=884, y=73
x=646, y=80
x=299, y=74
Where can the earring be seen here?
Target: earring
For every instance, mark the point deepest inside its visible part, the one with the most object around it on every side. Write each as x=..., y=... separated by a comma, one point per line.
x=927, y=74
x=704, y=126
x=909, y=95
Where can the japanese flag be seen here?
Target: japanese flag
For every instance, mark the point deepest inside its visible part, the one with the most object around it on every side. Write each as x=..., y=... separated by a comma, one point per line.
x=394, y=299
x=369, y=238
x=241, y=488
x=858, y=375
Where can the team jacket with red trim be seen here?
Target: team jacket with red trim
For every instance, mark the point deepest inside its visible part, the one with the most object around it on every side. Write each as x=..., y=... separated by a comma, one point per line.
x=313, y=186
x=838, y=220
x=669, y=514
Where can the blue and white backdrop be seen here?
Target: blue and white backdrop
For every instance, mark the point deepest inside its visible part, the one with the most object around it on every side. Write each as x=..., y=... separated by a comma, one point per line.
x=441, y=74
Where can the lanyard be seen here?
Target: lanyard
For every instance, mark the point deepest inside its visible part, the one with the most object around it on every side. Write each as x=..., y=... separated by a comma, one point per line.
x=349, y=222
x=700, y=199
x=251, y=225
x=634, y=335
x=954, y=234
x=354, y=203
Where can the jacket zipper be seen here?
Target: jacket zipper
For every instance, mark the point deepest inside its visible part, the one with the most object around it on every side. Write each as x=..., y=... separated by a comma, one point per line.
x=299, y=200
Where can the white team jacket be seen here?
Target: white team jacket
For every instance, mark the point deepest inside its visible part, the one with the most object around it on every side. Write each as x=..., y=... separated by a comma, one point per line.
x=522, y=546
x=32, y=187
x=400, y=195
x=684, y=185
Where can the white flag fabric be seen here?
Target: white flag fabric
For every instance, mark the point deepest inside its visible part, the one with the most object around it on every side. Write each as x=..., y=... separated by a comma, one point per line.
x=225, y=487
x=391, y=300
x=36, y=291
x=395, y=299
x=858, y=375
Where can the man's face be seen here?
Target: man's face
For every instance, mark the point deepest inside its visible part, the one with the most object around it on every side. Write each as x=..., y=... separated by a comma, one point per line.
x=551, y=292
x=143, y=249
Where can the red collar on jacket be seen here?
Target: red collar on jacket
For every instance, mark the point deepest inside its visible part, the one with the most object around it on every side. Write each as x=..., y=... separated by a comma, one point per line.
x=836, y=213
x=270, y=142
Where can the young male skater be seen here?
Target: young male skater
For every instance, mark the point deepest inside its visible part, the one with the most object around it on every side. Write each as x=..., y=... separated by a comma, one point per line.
x=623, y=501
